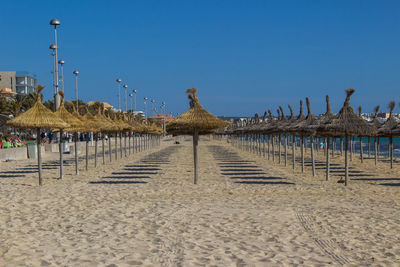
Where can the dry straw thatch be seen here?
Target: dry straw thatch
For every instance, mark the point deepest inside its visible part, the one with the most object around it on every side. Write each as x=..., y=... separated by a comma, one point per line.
x=196, y=118
x=346, y=122
x=390, y=126
x=38, y=117
x=195, y=121
x=63, y=114
x=291, y=127
x=308, y=126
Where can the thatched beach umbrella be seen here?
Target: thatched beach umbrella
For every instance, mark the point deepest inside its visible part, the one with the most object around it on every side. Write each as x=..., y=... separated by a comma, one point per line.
x=72, y=120
x=291, y=129
x=390, y=129
x=360, y=137
x=324, y=119
x=308, y=128
x=91, y=126
x=104, y=126
x=284, y=128
x=38, y=117
x=195, y=121
x=346, y=124
x=377, y=124
x=77, y=130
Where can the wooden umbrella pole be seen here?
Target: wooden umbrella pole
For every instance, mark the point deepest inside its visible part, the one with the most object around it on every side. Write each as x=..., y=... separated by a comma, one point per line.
x=39, y=153
x=60, y=147
x=120, y=144
x=294, y=151
x=285, y=140
x=134, y=143
x=129, y=142
x=116, y=145
x=195, y=143
x=327, y=159
x=103, y=151
x=379, y=146
x=95, y=151
x=269, y=144
x=280, y=145
x=312, y=155
x=391, y=151
x=302, y=153
x=369, y=146
x=346, y=160
x=351, y=148
x=341, y=146
x=273, y=148
x=361, y=151
x=126, y=154
x=333, y=146
x=109, y=147
x=76, y=155
x=87, y=151
x=264, y=151
x=376, y=150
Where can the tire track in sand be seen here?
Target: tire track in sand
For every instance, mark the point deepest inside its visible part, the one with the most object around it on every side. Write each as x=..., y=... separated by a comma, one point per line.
x=328, y=246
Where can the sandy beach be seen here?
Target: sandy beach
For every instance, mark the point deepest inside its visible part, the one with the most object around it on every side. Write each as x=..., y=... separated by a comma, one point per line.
x=245, y=211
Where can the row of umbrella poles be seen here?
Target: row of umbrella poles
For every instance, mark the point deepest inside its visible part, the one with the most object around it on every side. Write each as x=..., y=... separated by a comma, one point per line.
x=345, y=125
x=118, y=124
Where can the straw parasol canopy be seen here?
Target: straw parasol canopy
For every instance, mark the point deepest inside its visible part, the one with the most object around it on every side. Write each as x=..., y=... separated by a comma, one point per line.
x=63, y=114
x=291, y=127
x=102, y=122
x=375, y=120
x=38, y=116
x=390, y=127
x=328, y=115
x=308, y=126
x=346, y=122
x=195, y=119
x=90, y=123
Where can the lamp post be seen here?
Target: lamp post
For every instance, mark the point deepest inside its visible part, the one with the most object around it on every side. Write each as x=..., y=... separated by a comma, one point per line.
x=119, y=92
x=152, y=107
x=62, y=62
x=134, y=98
x=126, y=97
x=145, y=106
x=131, y=95
x=53, y=53
x=163, y=114
x=76, y=73
x=56, y=23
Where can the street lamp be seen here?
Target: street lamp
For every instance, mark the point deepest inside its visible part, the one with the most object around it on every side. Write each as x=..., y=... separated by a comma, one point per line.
x=119, y=93
x=53, y=47
x=76, y=89
x=145, y=106
x=56, y=23
x=62, y=62
x=152, y=107
x=131, y=95
x=163, y=114
x=134, y=98
x=126, y=97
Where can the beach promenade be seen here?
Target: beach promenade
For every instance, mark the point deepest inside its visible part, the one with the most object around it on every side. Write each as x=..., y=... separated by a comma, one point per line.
x=145, y=210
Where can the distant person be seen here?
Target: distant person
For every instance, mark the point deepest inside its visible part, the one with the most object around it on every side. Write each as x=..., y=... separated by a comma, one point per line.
x=51, y=136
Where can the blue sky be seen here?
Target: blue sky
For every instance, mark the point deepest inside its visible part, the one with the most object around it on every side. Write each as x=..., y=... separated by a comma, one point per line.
x=242, y=56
